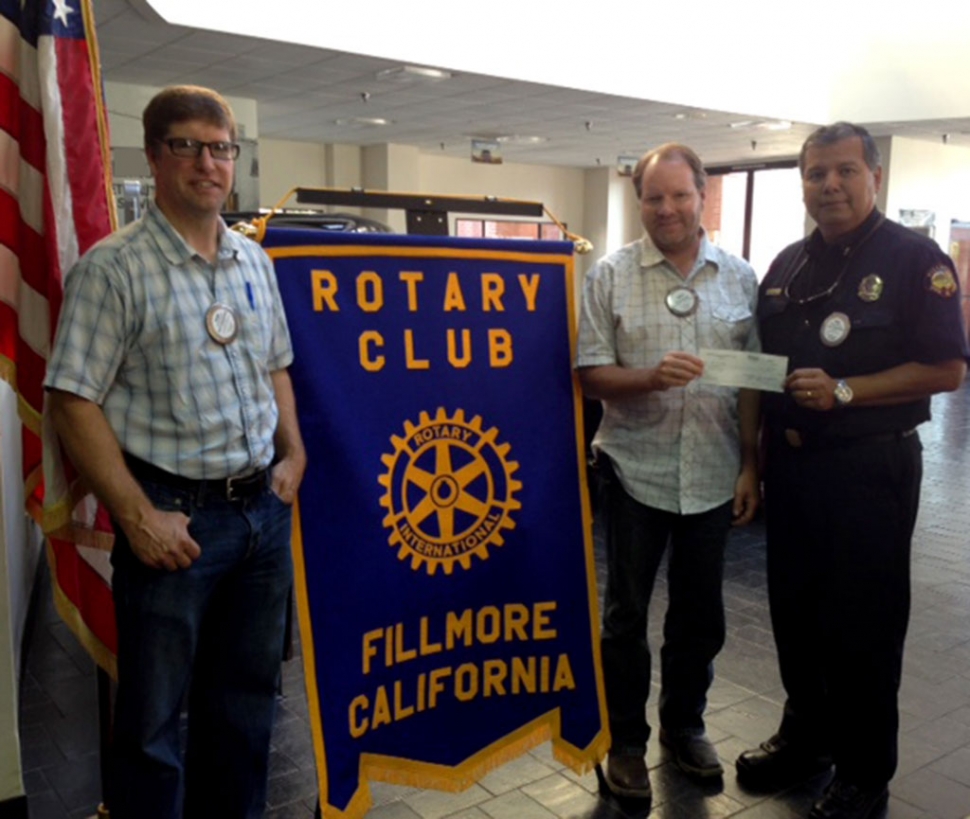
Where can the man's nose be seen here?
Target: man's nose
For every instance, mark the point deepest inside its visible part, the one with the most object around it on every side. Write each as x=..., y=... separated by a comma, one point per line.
x=204, y=159
x=832, y=179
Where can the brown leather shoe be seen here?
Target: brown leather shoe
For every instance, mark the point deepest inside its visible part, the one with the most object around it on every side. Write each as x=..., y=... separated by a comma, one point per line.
x=626, y=775
x=778, y=764
x=693, y=753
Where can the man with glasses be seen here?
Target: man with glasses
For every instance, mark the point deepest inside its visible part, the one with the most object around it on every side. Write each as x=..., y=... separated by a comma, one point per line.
x=169, y=391
x=868, y=314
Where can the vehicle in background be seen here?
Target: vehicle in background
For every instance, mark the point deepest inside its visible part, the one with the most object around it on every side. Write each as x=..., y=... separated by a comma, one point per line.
x=312, y=219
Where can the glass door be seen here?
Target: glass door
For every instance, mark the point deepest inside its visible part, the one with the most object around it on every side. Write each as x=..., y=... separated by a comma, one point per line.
x=754, y=212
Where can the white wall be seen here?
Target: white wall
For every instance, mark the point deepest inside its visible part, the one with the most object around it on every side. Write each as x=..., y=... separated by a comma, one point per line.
x=403, y=169
x=612, y=213
x=22, y=536
x=392, y=168
x=343, y=166
x=561, y=190
x=623, y=198
x=284, y=165
x=125, y=104
x=19, y=553
x=596, y=207
x=929, y=176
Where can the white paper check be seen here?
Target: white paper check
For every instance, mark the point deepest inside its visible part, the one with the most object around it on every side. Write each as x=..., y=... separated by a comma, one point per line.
x=737, y=368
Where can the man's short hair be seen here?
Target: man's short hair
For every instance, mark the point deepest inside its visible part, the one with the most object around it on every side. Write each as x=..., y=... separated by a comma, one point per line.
x=182, y=103
x=830, y=134
x=670, y=150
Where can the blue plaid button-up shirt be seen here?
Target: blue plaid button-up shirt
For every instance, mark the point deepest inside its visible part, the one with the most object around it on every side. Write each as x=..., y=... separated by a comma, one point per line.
x=132, y=338
x=678, y=450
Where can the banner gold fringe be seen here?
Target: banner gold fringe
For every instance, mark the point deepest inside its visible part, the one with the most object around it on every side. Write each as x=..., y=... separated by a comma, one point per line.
x=408, y=773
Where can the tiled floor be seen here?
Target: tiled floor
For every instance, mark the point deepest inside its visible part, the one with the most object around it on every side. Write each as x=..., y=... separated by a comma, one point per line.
x=59, y=715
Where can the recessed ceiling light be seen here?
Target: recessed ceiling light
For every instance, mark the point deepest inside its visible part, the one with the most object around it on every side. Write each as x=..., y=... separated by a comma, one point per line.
x=691, y=115
x=414, y=73
x=363, y=122
x=520, y=139
x=508, y=139
x=763, y=124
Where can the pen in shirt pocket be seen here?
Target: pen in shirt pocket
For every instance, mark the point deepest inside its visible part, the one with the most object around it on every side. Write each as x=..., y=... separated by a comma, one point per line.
x=249, y=294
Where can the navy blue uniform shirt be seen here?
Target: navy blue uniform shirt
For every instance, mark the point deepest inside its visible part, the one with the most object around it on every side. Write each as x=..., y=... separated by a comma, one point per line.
x=899, y=293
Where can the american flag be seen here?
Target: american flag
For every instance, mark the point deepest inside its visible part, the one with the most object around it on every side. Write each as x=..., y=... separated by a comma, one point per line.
x=55, y=202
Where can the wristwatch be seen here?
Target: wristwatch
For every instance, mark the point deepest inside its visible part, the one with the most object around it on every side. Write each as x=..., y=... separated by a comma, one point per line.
x=842, y=393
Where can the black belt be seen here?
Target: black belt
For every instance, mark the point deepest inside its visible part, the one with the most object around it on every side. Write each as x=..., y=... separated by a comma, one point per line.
x=231, y=489
x=796, y=439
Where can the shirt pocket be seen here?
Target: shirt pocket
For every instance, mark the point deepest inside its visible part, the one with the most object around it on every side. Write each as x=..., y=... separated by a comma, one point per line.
x=731, y=324
x=878, y=320
x=872, y=344
x=255, y=324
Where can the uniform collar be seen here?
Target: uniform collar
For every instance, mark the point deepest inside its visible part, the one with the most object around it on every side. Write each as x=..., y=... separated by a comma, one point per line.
x=816, y=246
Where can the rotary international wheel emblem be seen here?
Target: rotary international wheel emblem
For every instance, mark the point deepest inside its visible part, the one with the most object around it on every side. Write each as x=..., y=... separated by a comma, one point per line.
x=449, y=491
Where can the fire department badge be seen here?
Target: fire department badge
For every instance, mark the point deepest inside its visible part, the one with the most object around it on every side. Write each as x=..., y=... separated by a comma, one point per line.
x=940, y=280
x=870, y=288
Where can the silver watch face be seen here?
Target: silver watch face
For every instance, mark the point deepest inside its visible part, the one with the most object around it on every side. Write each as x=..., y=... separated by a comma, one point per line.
x=843, y=393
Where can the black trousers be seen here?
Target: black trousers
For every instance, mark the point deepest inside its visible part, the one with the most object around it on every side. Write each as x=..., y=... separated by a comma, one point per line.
x=839, y=527
x=636, y=538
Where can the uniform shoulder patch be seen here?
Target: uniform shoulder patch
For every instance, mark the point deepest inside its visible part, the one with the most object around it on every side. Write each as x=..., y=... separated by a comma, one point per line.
x=941, y=281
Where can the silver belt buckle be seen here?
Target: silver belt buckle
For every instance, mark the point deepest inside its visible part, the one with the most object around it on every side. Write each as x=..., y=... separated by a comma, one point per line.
x=231, y=484
x=231, y=488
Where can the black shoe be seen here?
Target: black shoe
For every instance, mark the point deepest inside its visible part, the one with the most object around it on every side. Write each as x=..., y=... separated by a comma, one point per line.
x=693, y=753
x=626, y=775
x=843, y=800
x=778, y=764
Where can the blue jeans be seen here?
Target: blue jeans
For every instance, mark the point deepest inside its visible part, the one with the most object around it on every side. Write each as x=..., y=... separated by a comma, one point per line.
x=213, y=631
x=636, y=539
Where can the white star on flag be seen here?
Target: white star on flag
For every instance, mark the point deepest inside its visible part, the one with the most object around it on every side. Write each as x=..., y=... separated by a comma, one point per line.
x=61, y=10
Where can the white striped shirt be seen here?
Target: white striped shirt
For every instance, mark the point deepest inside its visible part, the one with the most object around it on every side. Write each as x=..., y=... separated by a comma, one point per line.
x=678, y=449
x=132, y=338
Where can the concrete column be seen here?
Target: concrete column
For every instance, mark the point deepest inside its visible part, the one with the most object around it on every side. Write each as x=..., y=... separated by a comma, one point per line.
x=392, y=168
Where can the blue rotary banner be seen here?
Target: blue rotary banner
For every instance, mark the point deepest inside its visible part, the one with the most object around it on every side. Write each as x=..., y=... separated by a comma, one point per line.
x=443, y=538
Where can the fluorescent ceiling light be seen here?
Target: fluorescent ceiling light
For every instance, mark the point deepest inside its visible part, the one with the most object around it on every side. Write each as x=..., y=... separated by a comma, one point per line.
x=363, y=122
x=764, y=125
x=414, y=73
x=520, y=139
x=508, y=139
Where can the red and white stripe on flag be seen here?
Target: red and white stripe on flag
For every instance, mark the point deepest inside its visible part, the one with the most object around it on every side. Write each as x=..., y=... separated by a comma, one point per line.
x=55, y=202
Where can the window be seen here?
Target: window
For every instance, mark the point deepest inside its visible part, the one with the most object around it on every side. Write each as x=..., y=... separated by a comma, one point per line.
x=755, y=212
x=507, y=229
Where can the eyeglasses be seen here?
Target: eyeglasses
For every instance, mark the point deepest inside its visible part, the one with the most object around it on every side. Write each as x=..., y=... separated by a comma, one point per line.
x=192, y=148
